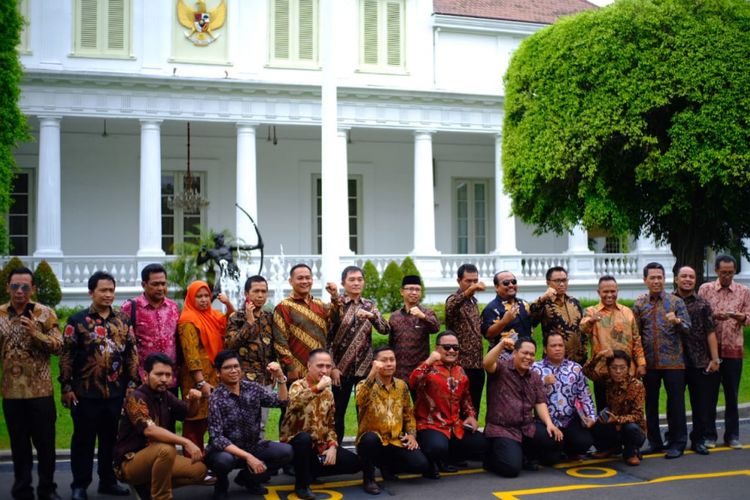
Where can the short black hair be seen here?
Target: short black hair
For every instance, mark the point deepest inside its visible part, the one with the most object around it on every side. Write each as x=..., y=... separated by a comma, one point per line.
x=618, y=354
x=157, y=357
x=653, y=265
x=607, y=277
x=150, y=269
x=545, y=338
x=20, y=270
x=254, y=279
x=724, y=258
x=555, y=269
x=297, y=266
x=351, y=269
x=466, y=268
x=497, y=281
x=380, y=349
x=445, y=333
x=223, y=356
x=97, y=277
x=315, y=352
x=522, y=340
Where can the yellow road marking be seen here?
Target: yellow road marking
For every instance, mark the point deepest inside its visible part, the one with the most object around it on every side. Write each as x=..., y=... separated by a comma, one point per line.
x=592, y=461
x=603, y=472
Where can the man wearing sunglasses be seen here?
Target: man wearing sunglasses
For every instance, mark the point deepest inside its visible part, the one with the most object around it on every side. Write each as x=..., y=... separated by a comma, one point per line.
x=506, y=316
x=446, y=418
x=28, y=336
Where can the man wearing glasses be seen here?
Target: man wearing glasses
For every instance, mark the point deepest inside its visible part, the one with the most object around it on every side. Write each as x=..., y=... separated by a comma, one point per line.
x=28, y=336
x=506, y=316
x=446, y=417
x=559, y=312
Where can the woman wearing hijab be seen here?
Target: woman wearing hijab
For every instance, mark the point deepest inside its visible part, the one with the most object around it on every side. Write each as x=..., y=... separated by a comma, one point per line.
x=201, y=330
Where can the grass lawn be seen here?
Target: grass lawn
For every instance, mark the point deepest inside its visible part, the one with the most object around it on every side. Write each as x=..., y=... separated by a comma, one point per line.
x=65, y=424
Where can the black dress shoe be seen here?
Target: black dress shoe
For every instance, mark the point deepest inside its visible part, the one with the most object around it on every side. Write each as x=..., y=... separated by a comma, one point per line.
x=79, y=494
x=52, y=495
x=432, y=472
x=304, y=493
x=531, y=465
x=371, y=487
x=700, y=449
x=673, y=453
x=114, y=489
x=220, y=495
x=388, y=475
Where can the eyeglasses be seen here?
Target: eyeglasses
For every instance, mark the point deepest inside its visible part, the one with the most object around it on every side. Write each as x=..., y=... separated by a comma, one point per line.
x=412, y=289
x=510, y=282
x=23, y=286
x=559, y=281
x=450, y=347
x=618, y=368
x=230, y=368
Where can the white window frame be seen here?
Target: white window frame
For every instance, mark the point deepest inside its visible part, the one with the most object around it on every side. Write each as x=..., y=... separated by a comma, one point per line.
x=29, y=211
x=178, y=235
x=317, y=222
x=293, y=34
x=101, y=49
x=382, y=65
x=471, y=233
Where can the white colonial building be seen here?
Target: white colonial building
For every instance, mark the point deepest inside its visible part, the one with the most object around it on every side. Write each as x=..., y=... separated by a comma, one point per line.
x=348, y=129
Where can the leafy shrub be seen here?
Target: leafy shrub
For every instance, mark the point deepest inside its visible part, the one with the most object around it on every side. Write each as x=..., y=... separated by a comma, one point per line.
x=372, y=281
x=48, y=290
x=12, y=264
x=389, y=297
x=409, y=268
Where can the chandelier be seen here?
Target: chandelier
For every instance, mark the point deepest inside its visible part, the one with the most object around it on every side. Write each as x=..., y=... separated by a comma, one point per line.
x=190, y=199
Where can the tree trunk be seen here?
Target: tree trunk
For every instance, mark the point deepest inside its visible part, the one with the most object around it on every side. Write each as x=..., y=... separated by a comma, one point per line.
x=688, y=248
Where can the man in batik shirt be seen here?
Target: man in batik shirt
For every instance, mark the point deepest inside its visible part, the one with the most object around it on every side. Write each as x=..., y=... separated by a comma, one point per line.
x=387, y=430
x=507, y=315
x=663, y=320
x=612, y=326
x=28, y=337
x=568, y=400
x=730, y=303
x=462, y=317
x=309, y=427
x=560, y=313
x=350, y=340
x=99, y=363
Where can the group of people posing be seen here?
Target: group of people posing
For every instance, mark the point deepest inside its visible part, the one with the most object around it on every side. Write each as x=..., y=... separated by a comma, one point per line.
x=122, y=371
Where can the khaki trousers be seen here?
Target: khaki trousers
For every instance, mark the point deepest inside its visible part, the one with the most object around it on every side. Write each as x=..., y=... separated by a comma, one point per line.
x=159, y=464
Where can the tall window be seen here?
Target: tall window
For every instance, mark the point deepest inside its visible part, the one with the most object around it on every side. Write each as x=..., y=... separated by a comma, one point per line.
x=178, y=225
x=294, y=28
x=471, y=215
x=19, y=215
x=382, y=35
x=355, y=213
x=102, y=28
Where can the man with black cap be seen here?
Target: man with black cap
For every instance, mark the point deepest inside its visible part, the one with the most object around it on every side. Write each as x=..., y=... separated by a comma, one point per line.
x=411, y=327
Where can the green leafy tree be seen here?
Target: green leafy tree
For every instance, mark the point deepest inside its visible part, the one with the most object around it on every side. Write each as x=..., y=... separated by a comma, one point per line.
x=634, y=118
x=13, y=263
x=13, y=127
x=372, y=281
x=408, y=267
x=48, y=290
x=185, y=269
x=390, y=287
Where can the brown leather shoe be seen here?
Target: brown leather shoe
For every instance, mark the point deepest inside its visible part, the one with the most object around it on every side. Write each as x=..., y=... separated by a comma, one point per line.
x=633, y=461
x=371, y=487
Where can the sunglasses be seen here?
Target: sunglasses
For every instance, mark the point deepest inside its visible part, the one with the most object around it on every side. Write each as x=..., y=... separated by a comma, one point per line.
x=23, y=286
x=510, y=282
x=449, y=347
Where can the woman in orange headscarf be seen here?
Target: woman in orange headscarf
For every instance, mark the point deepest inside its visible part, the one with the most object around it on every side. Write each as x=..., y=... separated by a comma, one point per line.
x=201, y=330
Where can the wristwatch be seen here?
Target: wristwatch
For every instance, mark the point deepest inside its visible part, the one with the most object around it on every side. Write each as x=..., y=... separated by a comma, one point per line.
x=200, y=384
x=717, y=361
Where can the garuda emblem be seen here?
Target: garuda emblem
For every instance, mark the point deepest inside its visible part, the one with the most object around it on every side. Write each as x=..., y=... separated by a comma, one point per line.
x=201, y=22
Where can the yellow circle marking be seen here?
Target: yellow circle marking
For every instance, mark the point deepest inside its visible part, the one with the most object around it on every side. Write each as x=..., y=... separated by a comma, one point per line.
x=600, y=472
x=332, y=495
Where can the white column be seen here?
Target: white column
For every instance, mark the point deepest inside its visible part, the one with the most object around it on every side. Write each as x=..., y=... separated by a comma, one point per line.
x=578, y=240
x=48, y=201
x=342, y=192
x=424, y=195
x=246, y=193
x=505, y=222
x=744, y=262
x=149, y=214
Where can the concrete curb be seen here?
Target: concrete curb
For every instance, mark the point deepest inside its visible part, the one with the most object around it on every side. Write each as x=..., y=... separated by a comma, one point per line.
x=744, y=412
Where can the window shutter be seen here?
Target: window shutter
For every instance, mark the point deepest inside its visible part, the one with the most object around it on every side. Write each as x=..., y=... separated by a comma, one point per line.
x=88, y=24
x=370, y=32
x=281, y=29
x=116, y=25
x=393, y=26
x=306, y=30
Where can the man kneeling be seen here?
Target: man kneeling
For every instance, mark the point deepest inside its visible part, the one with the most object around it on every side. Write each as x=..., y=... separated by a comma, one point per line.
x=145, y=454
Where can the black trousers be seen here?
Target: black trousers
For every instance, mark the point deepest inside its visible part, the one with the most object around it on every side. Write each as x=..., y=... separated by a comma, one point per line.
x=600, y=394
x=94, y=419
x=476, y=386
x=437, y=447
x=307, y=464
x=703, y=389
x=31, y=421
x=577, y=440
x=392, y=458
x=505, y=455
x=730, y=372
x=674, y=383
x=629, y=438
x=341, y=395
x=273, y=455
